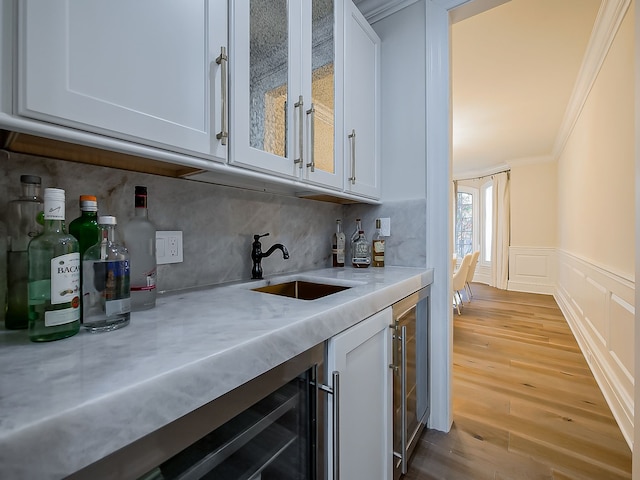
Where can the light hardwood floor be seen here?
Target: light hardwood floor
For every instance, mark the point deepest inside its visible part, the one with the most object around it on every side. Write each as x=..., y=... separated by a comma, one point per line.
x=525, y=404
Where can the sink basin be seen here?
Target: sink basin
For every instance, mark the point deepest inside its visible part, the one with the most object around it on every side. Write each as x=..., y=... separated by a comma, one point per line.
x=303, y=290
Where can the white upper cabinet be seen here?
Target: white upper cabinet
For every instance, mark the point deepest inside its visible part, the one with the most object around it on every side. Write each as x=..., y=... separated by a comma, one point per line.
x=143, y=71
x=286, y=64
x=362, y=106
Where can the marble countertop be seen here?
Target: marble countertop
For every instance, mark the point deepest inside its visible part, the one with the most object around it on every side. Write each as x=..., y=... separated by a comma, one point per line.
x=69, y=403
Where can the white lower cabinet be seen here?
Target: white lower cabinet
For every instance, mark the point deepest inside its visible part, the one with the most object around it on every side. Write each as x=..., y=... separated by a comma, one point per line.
x=361, y=357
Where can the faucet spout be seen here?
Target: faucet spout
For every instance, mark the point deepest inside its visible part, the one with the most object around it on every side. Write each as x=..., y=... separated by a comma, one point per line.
x=277, y=246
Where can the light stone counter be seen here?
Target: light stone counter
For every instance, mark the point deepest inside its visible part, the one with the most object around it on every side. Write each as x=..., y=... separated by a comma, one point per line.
x=69, y=403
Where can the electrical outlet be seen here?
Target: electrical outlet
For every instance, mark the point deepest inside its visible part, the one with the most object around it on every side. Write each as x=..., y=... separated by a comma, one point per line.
x=169, y=247
x=385, y=227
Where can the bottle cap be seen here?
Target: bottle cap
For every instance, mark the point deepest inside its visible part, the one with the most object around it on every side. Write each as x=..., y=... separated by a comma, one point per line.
x=53, y=204
x=107, y=220
x=33, y=179
x=141, y=190
x=378, y=223
x=88, y=203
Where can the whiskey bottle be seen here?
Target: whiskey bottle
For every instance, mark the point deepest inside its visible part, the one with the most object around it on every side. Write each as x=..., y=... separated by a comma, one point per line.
x=140, y=240
x=24, y=221
x=378, y=246
x=361, y=251
x=106, y=294
x=338, y=246
x=54, y=276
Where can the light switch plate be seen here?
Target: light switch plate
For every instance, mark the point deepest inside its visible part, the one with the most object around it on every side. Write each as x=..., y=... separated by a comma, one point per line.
x=168, y=247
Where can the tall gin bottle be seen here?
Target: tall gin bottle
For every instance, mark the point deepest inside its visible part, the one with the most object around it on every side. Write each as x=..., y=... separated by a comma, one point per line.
x=24, y=221
x=54, y=276
x=338, y=245
x=140, y=240
x=106, y=301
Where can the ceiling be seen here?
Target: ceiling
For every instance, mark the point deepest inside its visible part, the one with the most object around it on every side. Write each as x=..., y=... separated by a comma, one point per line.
x=514, y=69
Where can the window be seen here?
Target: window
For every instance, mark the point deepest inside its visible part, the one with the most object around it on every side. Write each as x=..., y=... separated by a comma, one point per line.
x=465, y=220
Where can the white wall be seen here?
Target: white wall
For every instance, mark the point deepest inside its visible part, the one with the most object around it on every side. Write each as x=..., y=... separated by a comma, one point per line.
x=596, y=242
x=532, y=259
x=403, y=99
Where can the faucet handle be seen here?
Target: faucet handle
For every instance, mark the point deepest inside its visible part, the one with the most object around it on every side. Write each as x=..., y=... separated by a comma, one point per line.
x=257, y=237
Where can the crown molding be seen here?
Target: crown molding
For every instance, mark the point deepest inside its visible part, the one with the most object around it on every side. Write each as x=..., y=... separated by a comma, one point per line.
x=375, y=10
x=606, y=26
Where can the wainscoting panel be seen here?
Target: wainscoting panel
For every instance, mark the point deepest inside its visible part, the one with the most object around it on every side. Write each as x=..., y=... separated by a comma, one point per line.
x=598, y=305
x=532, y=269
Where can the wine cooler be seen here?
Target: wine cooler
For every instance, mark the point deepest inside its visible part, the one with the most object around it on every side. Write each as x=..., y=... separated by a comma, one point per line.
x=270, y=428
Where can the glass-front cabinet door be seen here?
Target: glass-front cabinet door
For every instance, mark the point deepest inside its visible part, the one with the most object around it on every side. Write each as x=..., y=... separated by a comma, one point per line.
x=284, y=72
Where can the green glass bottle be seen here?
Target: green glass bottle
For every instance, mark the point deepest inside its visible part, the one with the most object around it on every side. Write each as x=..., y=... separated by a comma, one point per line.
x=85, y=228
x=24, y=221
x=54, y=276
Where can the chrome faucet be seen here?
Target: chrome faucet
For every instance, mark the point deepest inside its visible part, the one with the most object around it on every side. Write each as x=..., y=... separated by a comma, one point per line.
x=257, y=255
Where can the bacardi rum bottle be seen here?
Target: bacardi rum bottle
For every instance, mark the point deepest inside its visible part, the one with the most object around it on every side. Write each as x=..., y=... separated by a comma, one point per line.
x=54, y=275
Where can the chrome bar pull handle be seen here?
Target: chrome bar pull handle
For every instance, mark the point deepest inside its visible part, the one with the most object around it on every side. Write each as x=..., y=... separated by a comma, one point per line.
x=352, y=139
x=403, y=389
x=336, y=425
x=299, y=105
x=312, y=140
x=223, y=60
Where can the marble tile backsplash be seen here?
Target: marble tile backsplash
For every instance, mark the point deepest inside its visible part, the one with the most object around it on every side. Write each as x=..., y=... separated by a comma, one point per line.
x=218, y=223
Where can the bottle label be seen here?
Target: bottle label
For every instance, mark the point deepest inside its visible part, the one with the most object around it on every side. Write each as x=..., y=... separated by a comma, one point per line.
x=340, y=255
x=65, y=289
x=65, y=279
x=378, y=247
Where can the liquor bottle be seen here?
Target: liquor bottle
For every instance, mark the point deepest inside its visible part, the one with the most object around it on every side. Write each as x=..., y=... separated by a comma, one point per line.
x=338, y=245
x=24, y=221
x=378, y=246
x=355, y=235
x=140, y=240
x=106, y=294
x=85, y=228
x=361, y=251
x=54, y=276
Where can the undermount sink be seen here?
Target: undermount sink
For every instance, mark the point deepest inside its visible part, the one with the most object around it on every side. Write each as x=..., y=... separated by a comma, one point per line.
x=300, y=289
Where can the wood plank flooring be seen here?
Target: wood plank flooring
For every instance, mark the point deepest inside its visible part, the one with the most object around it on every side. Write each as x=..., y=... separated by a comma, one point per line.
x=525, y=404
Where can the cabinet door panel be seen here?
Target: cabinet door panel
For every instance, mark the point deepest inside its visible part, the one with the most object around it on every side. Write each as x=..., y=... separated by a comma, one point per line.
x=265, y=72
x=362, y=104
x=135, y=70
x=327, y=70
x=361, y=355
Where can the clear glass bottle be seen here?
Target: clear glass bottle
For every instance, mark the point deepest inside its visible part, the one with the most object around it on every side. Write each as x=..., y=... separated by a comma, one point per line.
x=338, y=246
x=361, y=251
x=24, y=221
x=140, y=240
x=3, y=271
x=106, y=293
x=378, y=246
x=54, y=275
x=85, y=228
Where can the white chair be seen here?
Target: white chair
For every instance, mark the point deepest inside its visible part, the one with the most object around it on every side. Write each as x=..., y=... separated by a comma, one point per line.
x=459, y=279
x=471, y=273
